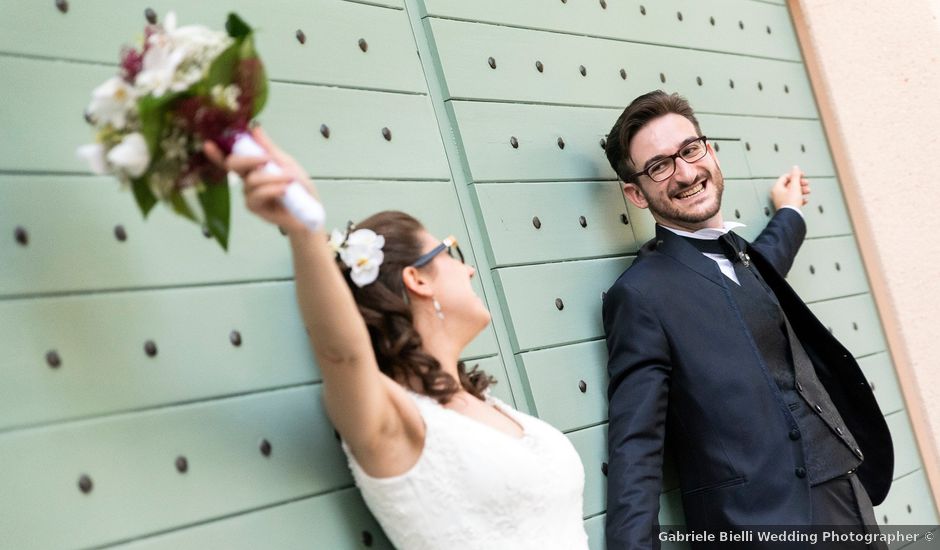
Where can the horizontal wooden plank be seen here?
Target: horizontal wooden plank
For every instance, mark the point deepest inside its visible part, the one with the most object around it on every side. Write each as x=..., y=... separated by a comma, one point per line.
x=906, y=454
x=338, y=521
x=70, y=222
x=132, y=463
x=47, y=104
x=537, y=222
x=329, y=54
x=545, y=67
x=854, y=321
x=568, y=384
x=828, y=268
x=741, y=27
x=591, y=444
x=558, y=303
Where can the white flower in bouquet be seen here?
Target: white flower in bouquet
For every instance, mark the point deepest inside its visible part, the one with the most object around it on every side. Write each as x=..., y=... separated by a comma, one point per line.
x=93, y=154
x=112, y=103
x=131, y=156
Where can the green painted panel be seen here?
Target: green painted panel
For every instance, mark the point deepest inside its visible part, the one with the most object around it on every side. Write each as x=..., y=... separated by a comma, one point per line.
x=330, y=53
x=906, y=457
x=737, y=26
x=52, y=95
x=595, y=532
x=740, y=203
x=537, y=222
x=71, y=221
x=828, y=268
x=337, y=521
x=854, y=321
x=495, y=368
x=825, y=213
x=761, y=87
x=884, y=383
x=131, y=462
x=555, y=378
x=591, y=444
x=908, y=503
x=531, y=297
x=732, y=156
x=774, y=145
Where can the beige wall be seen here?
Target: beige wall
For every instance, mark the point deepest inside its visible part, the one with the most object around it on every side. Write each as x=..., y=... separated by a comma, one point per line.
x=875, y=67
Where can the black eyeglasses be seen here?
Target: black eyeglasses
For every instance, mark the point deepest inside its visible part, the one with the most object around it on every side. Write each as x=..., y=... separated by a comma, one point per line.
x=449, y=244
x=663, y=168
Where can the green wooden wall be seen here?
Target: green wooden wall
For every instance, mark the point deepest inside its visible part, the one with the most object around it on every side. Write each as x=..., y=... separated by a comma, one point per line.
x=498, y=110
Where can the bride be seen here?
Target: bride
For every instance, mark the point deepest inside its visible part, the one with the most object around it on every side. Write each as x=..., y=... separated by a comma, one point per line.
x=389, y=309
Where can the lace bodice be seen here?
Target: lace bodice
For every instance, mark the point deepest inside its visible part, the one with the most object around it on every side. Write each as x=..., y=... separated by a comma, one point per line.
x=475, y=487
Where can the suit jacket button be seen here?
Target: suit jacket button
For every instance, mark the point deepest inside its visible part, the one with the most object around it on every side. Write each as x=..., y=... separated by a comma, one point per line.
x=839, y=431
x=794, y=434
x=818, y=408
x=799, y=387
x=859, y=453
x=801, y=472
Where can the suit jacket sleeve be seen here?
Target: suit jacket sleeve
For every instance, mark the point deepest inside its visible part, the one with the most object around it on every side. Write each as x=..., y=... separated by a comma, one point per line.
x=781, y=239
x=639, y=369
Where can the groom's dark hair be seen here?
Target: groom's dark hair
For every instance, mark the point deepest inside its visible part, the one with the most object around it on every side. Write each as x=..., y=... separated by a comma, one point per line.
x=642, y=110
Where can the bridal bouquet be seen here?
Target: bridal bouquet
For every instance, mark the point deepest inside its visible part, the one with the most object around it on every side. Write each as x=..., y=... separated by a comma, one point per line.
x=184, y=86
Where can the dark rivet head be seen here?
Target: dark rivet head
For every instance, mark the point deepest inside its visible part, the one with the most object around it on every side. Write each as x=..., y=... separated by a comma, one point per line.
x=582, y=385
x=21, y=235
x=559, y=304
x=872, y=384
x=492, y=62
x=717, y=147
x=909, y=509
x=88, y=117
x=205, y=232
x=325, y=131
x=829, y=329
x=731, y=83
x=561, y=143
x=662, y=78
x=760, y=86
x=786, y=89
x=583, y=70
x=151, y=16
x=564, y=1
x=363, y=45
x=539, y=67
x=53, y=359
x=768, y=30
x=679, y=15
x=367, y=538
x=802, y=148
x=747, y=145
x=838, y=267
x=812, y=270
x=62, y=5
x=281, y=229
x=85, y=484
x=387, y=134
x=776, y=148
x=885, y=518
x=698, y=80
x=119, y=233
x=624, y=219
x=854, y=325
x=642, y=10
x=514, y=142
x=603, y=144
x=623, y=74
x=767, y=211
x=712, y=21
x=265, y=447
x=336, y=435
x=604, y=4
x=150, y=348
x=235, y=338
x=737, y=213
x=741, y=25
x=604, y=468
x=537, y=222
x=301, y=37
x=182, y=465
x=583, y=221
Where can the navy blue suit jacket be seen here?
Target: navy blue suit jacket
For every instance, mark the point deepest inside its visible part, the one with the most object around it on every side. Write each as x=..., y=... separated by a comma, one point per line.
x=682, y=362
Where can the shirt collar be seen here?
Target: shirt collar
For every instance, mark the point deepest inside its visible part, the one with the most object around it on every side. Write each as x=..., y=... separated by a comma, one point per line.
x=709, y=233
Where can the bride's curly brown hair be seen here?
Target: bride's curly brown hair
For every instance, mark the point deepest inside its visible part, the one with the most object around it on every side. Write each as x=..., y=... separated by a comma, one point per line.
x=383, y=305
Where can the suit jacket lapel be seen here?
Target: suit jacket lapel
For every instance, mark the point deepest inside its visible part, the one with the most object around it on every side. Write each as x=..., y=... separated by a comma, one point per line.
x=675, y=247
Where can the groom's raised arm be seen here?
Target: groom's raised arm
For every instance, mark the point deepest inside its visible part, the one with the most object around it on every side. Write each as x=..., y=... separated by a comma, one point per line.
x=639, y=370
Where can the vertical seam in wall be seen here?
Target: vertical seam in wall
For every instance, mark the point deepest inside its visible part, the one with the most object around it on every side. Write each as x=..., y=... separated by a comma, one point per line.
x=871, y=261
x=461, y=178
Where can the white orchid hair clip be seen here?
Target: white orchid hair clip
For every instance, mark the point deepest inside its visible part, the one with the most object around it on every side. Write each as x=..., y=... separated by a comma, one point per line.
x=361, y=251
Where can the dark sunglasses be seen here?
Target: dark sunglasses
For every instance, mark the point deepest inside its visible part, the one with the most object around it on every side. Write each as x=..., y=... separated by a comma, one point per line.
x=449, y=244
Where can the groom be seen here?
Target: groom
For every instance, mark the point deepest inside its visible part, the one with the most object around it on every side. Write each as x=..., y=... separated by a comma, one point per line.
x=770, y=417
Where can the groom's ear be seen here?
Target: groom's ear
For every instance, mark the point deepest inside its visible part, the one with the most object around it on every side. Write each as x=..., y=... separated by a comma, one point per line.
x=635, y=195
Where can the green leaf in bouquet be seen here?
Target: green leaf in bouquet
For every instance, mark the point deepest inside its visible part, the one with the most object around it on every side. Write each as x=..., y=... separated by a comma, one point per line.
x=143, y=195
x=153, y=115
x=181, y=207
x=214, y=197
x=236, y=26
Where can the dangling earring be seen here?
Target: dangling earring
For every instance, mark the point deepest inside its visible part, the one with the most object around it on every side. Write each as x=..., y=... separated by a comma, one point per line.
x=437, y=308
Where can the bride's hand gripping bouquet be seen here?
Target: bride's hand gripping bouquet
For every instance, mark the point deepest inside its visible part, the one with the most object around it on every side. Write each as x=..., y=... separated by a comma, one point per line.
x=185, y=86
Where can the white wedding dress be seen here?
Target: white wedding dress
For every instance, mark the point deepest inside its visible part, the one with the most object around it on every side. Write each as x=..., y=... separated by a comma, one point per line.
x=475, y=487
